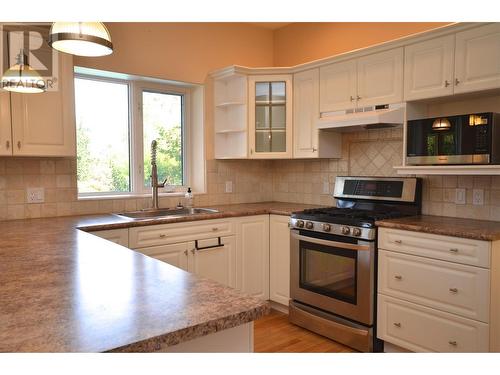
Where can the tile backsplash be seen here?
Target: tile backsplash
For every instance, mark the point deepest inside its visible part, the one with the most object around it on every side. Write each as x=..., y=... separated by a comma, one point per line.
x=369, y=153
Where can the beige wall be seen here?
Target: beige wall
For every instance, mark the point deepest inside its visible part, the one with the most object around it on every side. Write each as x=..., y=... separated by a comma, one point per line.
x=298, y=43
x=183, y=51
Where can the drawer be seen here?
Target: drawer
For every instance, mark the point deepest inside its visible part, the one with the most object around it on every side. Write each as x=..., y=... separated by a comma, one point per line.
x=179, y=232
x=453, y=249
x=451, y=287
x=422, y=329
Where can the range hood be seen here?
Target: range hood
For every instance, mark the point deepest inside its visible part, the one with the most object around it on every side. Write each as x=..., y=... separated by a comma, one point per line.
x=374, y=117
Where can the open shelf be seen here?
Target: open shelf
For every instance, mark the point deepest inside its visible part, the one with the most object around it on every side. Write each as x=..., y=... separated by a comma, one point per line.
x=448, y=169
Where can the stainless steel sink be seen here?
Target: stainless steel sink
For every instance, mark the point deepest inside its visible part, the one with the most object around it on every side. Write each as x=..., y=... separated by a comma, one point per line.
x=175, y=212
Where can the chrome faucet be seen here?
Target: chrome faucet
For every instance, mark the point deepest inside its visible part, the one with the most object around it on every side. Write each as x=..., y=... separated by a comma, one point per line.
x=154, y=176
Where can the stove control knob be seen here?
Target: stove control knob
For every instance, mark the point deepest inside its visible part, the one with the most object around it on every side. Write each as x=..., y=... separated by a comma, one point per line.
x=327, y=227
x=356, y=232
x=346, y=230
x=300, y=223
x=309, y=225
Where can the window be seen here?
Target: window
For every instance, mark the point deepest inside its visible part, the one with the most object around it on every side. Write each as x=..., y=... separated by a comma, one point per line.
x=117, y=119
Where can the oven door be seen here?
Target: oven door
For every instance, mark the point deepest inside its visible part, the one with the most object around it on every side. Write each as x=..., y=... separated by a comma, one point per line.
x=333, y=275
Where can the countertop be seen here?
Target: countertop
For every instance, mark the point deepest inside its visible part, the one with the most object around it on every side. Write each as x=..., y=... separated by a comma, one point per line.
x=448, y=226
x=64, y=290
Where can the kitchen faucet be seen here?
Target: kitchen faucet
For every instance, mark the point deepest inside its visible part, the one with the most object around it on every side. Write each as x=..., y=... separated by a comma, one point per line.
x=154, y=176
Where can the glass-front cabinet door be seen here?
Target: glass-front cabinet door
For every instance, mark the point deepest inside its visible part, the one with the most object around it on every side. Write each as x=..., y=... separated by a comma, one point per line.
x=270, y=116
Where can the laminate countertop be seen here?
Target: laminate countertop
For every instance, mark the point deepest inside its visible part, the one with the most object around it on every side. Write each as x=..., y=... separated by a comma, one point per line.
x=447, y=226
x=64, y=290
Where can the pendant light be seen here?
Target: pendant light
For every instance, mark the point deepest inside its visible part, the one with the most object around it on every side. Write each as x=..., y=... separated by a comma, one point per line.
x=81, y=38
x=441, y=124
x=22, y=78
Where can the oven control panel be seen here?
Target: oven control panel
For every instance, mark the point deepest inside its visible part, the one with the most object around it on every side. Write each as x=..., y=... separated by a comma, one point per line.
x=337, y=229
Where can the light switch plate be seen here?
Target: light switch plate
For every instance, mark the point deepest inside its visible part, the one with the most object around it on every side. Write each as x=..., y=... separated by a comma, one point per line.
x=229, y=186
x=459, y=196
x=35, y=195
x=478, y=197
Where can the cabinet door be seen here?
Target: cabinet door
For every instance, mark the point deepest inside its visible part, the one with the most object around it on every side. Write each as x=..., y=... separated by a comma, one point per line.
x=174, y=254
x=337, y=86
x=428, y=68
x=270, y=116
x=252, y=268
x=279, y=259
x=119, y=236
x=44, y=124
x=380, y=78
x=5, y=124
x=305, y=114
x=217, y=263
x=477, y=56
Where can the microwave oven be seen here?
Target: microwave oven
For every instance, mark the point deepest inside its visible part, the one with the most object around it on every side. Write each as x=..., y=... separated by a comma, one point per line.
x=464, y=139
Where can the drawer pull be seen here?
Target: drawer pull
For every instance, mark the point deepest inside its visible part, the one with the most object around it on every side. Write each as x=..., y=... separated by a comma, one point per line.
x=398, y=241
x=192, y=251
x=215, y=229
x=163, y=235
x=453, y=290
x=185, y=252
x=398, y=277
x=454, y=250
x=397, y=325
x=454, y=343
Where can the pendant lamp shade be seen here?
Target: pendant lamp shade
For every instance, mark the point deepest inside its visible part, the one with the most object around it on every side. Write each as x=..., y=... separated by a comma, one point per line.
x=81, y=38
x=22, y=78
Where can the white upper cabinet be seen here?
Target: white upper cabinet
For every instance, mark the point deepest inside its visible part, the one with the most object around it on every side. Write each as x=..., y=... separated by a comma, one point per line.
x=380, y=78
x=5, y=127
x=477, y=59
x=270, y=116
x=338, y=86
x=428, y=68
x=305, y=113
x=44, y=124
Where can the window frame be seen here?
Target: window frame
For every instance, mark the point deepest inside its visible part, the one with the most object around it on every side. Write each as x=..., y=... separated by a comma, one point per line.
x=136, y=141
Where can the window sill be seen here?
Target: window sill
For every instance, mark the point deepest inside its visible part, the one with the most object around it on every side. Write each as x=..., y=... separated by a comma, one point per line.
x=132, y=196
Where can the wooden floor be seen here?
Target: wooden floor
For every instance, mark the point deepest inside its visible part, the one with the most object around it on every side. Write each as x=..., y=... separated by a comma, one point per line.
x=274, y=334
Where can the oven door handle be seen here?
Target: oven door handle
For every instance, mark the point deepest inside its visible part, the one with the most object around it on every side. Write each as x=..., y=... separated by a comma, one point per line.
x=342, y=245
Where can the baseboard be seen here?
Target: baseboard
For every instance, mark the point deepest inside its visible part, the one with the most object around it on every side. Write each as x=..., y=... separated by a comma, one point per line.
x=279, y=307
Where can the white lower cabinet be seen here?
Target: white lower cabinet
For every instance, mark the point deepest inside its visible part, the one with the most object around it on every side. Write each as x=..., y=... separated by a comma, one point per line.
x=252, y=259
x=175, y=254
x=432, y=295
x=119, y=236
x=279, y=259
x=216, y=262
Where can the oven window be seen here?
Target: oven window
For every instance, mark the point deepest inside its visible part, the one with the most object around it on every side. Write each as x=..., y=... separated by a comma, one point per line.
x=329, y=271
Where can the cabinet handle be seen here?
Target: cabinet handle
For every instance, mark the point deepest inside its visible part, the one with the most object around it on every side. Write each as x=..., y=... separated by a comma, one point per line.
x=19, y=144
x=398, y=277
x=446, y=83
x=358, y=97
x=7, y=144
x=192, y=251
x=398, y=241
x=397, y=325
x=457, y=81
x=251, y=151
x=215, y=229
x=454, y=343
x=315, y=149
x=453, y=290
x=351, y=98
x=163, y=235
x=185, y=252
x=454, y=250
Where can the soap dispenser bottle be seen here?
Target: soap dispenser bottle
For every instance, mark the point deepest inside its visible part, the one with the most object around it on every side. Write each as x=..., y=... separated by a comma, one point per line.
x=189, y=198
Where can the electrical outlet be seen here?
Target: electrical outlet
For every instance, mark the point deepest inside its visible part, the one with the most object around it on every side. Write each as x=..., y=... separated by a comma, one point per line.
x=459, y=196
x=35, y=195
x=478, y=197
x=326, y=187
x=229, y=186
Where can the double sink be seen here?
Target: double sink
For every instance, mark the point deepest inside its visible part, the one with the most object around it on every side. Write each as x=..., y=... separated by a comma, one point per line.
x=165, y=212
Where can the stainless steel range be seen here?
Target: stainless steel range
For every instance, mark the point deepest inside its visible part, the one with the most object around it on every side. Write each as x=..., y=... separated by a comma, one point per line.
x=333, y=257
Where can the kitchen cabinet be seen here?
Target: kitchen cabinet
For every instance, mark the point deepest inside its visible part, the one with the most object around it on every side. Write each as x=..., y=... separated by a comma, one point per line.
x=436, y=293
x=119, y=236
x=175, y=254
x=5, y=124
x=477, y=53
x=270, y=116
x=428, y=68
x=366, y=81
x=252, y=259
x=279, y=259
x=307, y=142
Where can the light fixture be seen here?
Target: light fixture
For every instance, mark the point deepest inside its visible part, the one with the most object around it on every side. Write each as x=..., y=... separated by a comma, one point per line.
x=22, y=78
x=441, y=124
x=81, y=38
